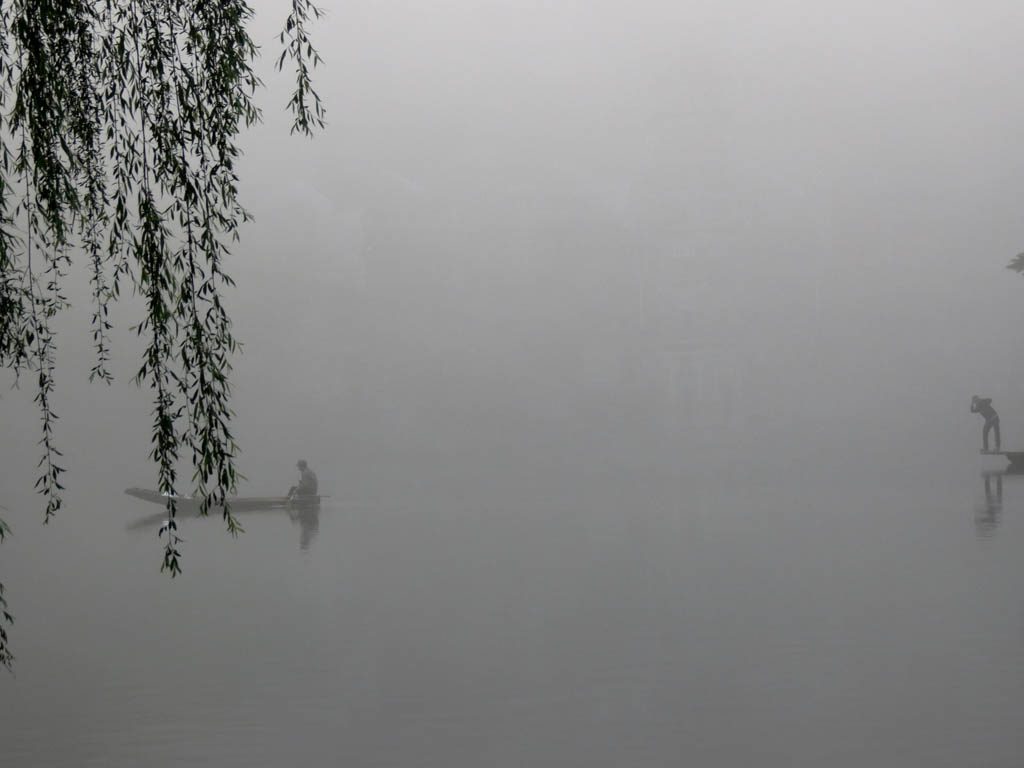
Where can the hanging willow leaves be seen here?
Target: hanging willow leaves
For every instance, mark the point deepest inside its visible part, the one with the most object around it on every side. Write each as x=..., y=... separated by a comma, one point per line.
x=119, y=127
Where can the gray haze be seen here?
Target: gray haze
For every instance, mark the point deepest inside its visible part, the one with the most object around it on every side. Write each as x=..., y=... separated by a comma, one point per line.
x=634, y=343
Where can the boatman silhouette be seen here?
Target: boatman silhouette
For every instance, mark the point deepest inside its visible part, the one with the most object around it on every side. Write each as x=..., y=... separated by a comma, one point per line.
x=983, y=405
x=307, y=481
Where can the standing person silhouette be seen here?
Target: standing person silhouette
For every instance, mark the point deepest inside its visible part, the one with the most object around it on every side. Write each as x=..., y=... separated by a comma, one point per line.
x=983, y=405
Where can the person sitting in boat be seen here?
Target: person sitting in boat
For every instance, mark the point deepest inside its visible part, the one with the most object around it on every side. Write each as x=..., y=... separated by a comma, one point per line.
x=308, y=485
x=983, y=405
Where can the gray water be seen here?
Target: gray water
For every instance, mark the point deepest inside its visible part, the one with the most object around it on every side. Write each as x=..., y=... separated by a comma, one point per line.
x=774, y=618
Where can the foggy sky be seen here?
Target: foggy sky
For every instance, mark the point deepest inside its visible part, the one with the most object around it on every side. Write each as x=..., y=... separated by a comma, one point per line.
x=663, y=233
x=633, y=344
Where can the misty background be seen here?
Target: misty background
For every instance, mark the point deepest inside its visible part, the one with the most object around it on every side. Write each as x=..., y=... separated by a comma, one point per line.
x=669, y=234
x=689, y=297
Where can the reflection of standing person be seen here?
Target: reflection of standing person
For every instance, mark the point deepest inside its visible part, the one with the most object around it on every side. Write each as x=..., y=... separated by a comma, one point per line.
x=994, y=500
x=986, y=517
x=308, y=485
x=983, y=405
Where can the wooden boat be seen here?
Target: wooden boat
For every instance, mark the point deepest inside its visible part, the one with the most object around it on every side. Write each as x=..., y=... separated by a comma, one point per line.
x=190, y=505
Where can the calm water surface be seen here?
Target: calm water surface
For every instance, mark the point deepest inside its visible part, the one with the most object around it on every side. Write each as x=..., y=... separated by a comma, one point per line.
x=781, y=620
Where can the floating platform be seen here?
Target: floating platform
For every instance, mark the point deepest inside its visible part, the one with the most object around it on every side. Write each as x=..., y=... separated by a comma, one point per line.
x=1016, y=458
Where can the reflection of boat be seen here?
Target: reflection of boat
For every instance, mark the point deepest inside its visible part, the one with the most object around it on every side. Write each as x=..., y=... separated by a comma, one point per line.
x=189, y=504
x=304, y=510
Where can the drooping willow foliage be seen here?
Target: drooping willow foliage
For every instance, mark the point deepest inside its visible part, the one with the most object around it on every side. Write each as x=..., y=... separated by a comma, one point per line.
x=119, y=123
x=6, y=657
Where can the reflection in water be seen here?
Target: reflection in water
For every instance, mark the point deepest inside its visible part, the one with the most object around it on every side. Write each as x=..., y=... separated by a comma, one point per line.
x=987, y=515
x=306, y=514
x=308, y=518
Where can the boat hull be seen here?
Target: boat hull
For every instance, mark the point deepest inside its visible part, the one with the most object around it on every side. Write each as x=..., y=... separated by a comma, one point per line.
x=237, y=503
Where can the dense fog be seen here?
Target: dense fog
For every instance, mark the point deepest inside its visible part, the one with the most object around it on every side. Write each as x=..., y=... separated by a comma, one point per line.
x=608, y=255
x=653, y=233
